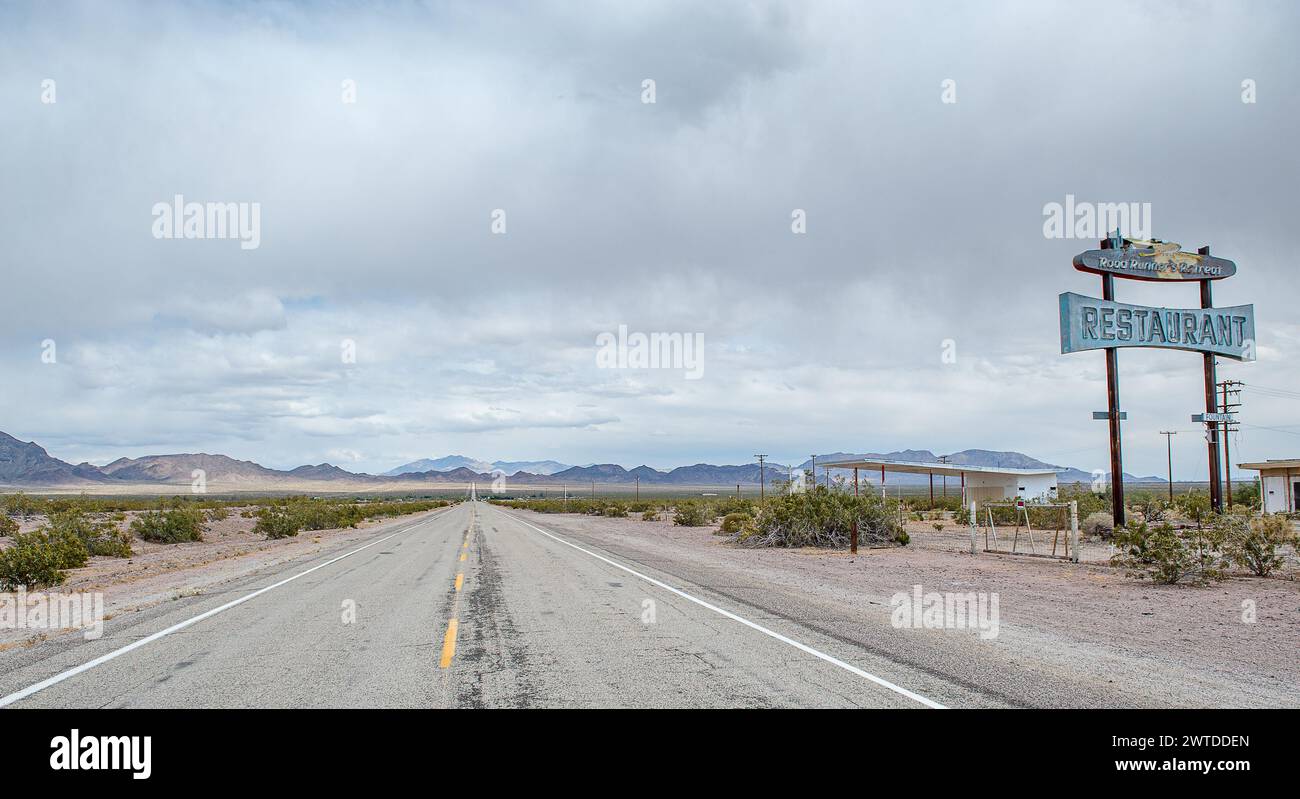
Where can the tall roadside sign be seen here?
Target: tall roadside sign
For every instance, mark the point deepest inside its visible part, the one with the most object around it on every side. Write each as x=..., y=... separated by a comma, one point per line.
x=1088, y=323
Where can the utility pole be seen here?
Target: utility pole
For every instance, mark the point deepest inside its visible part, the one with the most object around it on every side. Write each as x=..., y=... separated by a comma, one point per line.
x=761, y=476
x=814, y=471
x=1228, y=426
x=1169, y=454
x=943, y=459
x=638, y=488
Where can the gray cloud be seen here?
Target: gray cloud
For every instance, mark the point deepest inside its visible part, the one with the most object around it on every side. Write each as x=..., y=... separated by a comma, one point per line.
x=924, y=224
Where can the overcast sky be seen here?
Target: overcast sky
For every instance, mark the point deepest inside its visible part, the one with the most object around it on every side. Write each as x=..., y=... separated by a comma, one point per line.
x=924, y=223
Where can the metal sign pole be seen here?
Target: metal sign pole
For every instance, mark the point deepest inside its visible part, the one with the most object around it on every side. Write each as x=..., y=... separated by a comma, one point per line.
x=1112, y=409
x=1211, y=403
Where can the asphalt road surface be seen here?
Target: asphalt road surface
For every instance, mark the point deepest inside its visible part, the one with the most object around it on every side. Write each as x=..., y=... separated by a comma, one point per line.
x=473, y=606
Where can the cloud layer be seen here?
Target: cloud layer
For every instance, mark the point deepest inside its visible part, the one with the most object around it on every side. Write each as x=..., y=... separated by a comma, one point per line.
x=924, y=225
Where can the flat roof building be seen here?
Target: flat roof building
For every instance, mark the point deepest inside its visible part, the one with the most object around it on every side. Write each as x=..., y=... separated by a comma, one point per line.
x=1279, y=484
x=978, y=483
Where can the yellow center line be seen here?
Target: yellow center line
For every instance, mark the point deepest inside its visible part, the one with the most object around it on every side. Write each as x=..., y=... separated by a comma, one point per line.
x=448, y=645
x=460, y=580
x=462, y=556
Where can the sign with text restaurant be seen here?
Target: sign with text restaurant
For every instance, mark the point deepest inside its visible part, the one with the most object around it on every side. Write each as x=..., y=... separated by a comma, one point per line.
x=1089, y=323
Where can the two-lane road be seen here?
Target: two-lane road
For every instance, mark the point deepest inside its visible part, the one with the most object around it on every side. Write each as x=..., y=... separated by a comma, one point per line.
x=473, y=606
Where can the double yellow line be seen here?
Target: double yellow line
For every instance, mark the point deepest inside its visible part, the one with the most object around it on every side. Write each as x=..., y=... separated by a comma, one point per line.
x=449, y=638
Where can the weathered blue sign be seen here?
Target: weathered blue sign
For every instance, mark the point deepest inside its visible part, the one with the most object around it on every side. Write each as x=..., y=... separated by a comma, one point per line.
x=1088, y=323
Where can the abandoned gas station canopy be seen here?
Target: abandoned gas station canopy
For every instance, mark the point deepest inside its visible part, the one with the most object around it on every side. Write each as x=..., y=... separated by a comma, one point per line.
x=980, y=483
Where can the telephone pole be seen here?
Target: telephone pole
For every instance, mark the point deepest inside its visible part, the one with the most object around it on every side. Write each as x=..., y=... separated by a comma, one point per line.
x=813, y=468
x=1169, y=455
x=761, y=476
x=1233, y=387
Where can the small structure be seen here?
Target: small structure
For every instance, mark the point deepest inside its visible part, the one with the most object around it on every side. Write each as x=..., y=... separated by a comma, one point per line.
x=1279, y=484
x=978, y=483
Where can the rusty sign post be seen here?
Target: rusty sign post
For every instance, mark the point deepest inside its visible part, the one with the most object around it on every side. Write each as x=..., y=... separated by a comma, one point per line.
x=1091, y=324
x=1112, y=411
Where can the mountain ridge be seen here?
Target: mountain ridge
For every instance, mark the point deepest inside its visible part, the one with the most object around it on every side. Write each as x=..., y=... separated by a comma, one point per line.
x=29, y=464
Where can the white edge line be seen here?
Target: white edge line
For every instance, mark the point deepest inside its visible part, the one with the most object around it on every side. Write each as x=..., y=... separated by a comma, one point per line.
x=760, y=628
x=102, y=659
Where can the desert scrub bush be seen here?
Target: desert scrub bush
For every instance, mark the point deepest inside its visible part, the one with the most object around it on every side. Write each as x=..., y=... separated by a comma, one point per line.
x=1098, y=525
x=39, y=558
x=170, y=525
x=1247, y=495
x=822, y=518
x=21, y=505
x=1152, y=508
x=1255, y=543
x=615, y=510
x=99, y=536
x=733, y=523
x=729, y=505
x=1090, y=502
x=651, y=515
x=7, y=526
x=1194, y=506
x=1168, y=556
x=218, y=514
x=275, y=521
x=692, y=513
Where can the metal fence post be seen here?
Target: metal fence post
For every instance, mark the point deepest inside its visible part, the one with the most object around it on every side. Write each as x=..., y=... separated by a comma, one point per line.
x=973, y=528
x=1074, y=530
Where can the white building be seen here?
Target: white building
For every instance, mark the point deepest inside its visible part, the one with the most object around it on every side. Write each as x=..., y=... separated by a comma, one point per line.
x=978, y=483
x=1280, y=484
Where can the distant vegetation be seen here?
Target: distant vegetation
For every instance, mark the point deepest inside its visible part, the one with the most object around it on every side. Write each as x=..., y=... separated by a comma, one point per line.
x=76, y=528
x=289, y=516
x=819, y=518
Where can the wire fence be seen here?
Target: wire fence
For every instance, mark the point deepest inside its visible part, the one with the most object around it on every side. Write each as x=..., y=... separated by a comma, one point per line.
x=955, y=537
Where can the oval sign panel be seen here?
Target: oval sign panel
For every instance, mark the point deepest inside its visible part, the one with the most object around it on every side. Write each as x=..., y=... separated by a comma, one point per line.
x=1154, y=260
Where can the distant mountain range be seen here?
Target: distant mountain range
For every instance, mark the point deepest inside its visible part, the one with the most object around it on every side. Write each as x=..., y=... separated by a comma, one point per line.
x=24, y=464
x=474, y=464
